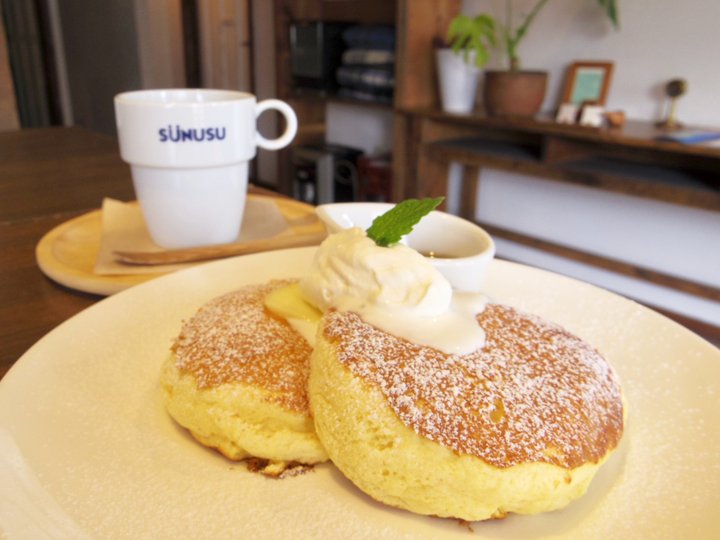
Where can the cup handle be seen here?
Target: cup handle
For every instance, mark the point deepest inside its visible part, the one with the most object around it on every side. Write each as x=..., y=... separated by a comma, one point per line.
x=290, y=120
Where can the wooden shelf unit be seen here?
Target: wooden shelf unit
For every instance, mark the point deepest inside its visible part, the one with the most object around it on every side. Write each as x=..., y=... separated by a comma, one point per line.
x=416, y=22
x=629, y=160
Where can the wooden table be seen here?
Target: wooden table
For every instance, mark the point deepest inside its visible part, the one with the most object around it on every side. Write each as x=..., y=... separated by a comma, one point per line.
x=47, y=176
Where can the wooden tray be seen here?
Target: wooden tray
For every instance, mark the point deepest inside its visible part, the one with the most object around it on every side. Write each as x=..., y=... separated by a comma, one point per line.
x=67, y=253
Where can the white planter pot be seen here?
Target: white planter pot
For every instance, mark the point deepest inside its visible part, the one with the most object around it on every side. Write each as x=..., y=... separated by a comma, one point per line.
x=458, y=81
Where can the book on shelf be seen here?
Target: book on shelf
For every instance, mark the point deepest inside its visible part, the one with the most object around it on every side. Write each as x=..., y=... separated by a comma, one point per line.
x=690, y=136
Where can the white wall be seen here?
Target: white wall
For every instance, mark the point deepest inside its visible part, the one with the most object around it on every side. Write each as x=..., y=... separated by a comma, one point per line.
x=657, y=41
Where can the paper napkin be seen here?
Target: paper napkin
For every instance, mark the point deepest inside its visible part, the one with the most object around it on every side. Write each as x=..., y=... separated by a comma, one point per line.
x=123, y=229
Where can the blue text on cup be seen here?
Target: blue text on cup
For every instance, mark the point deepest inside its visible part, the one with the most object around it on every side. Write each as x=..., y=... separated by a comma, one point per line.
x=179, y=134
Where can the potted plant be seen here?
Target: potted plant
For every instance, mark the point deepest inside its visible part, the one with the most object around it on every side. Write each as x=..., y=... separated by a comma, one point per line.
x=460, y=56
x=514, y=91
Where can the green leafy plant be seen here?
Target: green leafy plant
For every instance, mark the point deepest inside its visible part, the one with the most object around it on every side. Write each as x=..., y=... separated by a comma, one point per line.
x=479, y=33
x=390, y=227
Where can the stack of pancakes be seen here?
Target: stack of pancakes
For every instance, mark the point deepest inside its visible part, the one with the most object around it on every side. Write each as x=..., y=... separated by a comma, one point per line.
x=521, y=425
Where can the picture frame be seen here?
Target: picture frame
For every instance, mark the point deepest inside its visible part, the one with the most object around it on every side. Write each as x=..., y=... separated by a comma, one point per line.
x=587, y=83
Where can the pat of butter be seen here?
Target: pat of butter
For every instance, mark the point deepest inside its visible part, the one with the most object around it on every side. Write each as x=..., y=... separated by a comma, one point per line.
x=288, y=303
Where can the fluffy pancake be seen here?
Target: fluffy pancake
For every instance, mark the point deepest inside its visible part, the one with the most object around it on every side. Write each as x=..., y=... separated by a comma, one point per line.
x=237, y=380
x=522, y=425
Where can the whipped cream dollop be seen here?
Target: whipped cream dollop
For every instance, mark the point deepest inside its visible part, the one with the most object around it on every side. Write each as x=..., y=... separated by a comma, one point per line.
x=395, y=289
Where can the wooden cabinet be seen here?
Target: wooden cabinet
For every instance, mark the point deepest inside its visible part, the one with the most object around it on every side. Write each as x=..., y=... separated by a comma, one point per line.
x=416, y=23
x=629, y=160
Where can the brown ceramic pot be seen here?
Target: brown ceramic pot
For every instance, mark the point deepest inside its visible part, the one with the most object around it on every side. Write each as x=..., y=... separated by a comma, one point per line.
x=514, y=93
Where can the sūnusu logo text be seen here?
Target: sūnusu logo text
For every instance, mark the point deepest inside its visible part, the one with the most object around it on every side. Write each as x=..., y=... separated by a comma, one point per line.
x=179, y=134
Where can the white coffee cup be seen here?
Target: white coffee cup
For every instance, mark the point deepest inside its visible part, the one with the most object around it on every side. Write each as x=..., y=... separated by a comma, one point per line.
x=189, y=151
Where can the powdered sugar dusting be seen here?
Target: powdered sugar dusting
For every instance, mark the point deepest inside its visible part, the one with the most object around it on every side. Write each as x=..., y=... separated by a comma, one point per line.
x=533, y=393
x=233, y=338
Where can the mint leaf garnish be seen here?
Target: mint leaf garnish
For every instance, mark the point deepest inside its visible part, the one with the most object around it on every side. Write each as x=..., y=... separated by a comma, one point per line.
x=389, y=228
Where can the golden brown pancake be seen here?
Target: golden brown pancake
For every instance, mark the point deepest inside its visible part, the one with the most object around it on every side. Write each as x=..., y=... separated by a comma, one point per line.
x=237, y=379
x=521, y=425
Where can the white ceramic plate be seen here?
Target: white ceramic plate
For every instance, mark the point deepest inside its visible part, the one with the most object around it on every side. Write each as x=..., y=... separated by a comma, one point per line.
x=86, y=447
